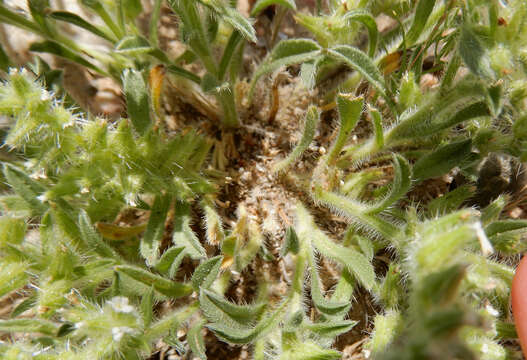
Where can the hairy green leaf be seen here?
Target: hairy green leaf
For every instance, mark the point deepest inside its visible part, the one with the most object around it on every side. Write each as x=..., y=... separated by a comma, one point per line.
x=196, y=341
x=291, y=243
x=401, y=185
x=155, y=229
x=92, y=238
x=136, y=94
x=26, y=188
x=473, y=53
x=76, y=20
x=308, y=350
x=357, y=263
x=422, y=13
x=359, y=61
x=442, y=160
x=260, y=5
x=169, y=262
x=246, y=335
x=331, y=328
x=52, y=47
x=29, y=326
x=183, y=235
x=350, y=111
x=217, y=309
x=206, y=273
x=166, y=287
x=147, y=307
x=311, y=122
x=367, y=20
x=285, y=53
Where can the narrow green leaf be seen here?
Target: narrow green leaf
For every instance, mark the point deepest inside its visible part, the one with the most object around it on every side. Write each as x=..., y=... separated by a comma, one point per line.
x=430, y=119
x=332, y=328
x=66, y=329
x=350, y=111
x=450, y=201
x=231, y=16
x=285, y=53
x=310, y=351
x=327, y=307
x=345, y=286
x=136, y=93
x=169, y=322
x=260, y=5
x=28, y=326
x=116, y=289
x=12, y=231
x=147, y=307
x=246, y=335
x=357, y=263
x=366, y=246
x=206, y=273
x=15, y=205
x=376, y=118
x=441, y=287
x=155, y=229
x=401, y=185
x=92, y=238
x=240, y=24
x=291, y=243
x=179, y=71
x=254, y=244
x=209, y=83
x=308, y=73
x=57, y=49
x=442, y=160
x=26, y=188
x=132, y=8
x=493, y=210
x=169, y=262
x=5, y=63
x=391, y=291
x=473, y=53
x=99, y=8
x=311, y=121
x=154, y=22
x=385, y=330
x=218, y=309
x=502, y=226
x=166, y=287
x=356, y=212
x=422, y=13
x=25, y=305
x=367, y=20
x=13, y=18
x=215, y=234
x=80, y=22
x=13, y=276
x=359, y=61
x=133, y=45
x=228, y=53
x=196, y=341
x=352, y=259
x=66, y=220
x=451, y=72
x=183, y=235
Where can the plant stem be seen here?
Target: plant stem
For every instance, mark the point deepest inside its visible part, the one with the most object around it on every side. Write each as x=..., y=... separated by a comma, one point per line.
x=154, y=19
x=227, y=101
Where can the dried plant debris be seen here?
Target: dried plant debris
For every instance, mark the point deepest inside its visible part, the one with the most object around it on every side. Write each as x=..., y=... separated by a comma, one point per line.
x=268, y=179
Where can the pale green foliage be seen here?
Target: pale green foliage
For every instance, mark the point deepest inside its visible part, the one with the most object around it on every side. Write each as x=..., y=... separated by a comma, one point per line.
x=90, y=285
